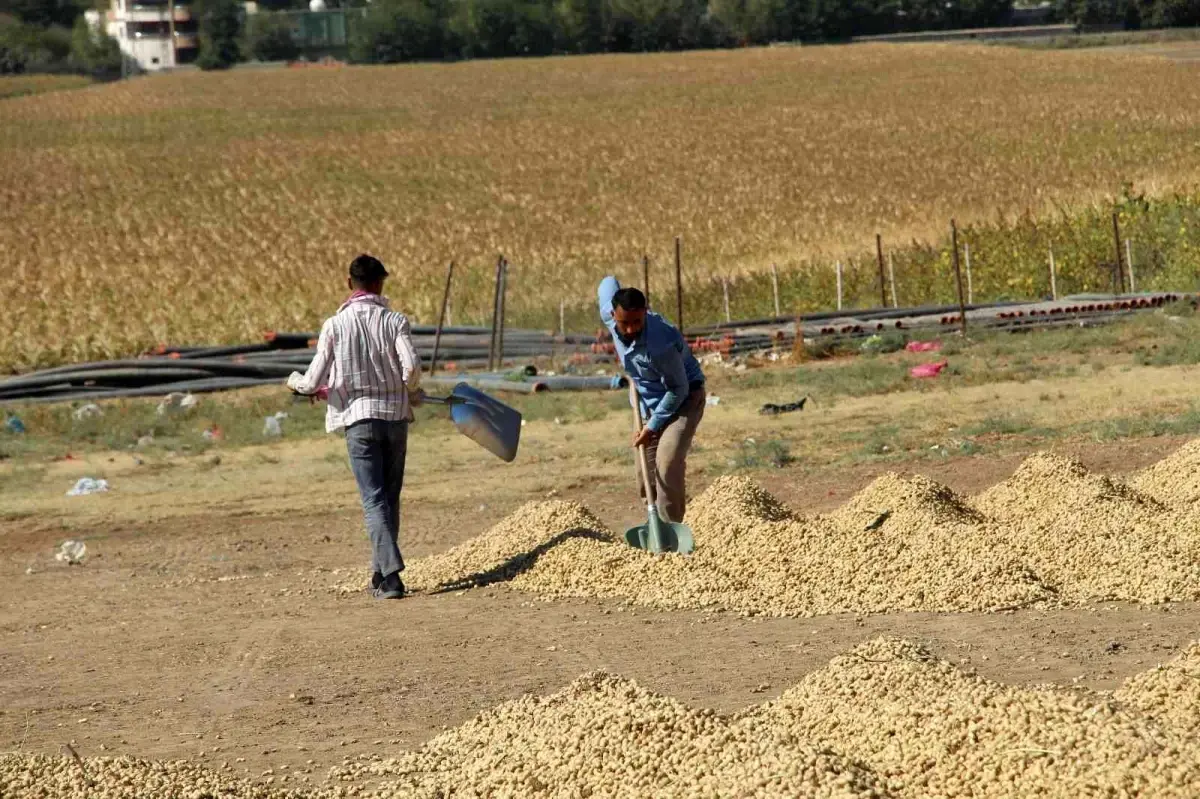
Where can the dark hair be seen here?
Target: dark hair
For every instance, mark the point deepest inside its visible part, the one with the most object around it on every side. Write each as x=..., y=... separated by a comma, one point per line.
x=366, y=270
x=629, y=300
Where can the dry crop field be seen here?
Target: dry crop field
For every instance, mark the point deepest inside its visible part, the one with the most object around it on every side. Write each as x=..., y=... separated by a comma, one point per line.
x=199, y=207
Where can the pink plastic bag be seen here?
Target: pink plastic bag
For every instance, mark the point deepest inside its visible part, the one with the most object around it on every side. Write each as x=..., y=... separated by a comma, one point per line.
x=928, y=369
x=923, y=346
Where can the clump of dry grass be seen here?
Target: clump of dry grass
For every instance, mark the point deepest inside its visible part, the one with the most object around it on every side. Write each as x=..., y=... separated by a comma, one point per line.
x=207, y=207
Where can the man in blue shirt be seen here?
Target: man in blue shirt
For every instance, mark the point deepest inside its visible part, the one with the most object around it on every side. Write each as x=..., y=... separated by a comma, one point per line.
x=671, y=386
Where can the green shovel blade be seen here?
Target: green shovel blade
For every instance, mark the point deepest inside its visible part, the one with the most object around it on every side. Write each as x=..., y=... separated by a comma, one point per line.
x=658, y=536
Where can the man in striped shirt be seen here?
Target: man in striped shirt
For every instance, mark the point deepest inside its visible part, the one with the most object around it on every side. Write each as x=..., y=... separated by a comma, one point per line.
x=367, y=367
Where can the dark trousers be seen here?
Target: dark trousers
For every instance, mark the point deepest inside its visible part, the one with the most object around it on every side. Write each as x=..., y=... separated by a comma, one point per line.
x=377, y=449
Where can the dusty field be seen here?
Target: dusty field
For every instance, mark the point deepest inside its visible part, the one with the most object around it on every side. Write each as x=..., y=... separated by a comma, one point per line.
x=242, y=196
x=204, y=627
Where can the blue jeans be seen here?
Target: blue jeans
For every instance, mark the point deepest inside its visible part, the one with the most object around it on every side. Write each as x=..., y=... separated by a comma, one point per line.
x=377, y=449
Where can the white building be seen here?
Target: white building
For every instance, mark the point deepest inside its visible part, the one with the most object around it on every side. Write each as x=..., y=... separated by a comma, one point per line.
x=144, y=30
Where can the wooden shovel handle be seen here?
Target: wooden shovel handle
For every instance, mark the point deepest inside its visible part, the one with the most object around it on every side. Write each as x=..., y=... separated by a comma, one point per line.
x=636, y=401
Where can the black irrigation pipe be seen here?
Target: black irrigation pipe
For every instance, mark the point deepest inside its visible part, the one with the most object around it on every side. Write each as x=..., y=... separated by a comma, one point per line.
x=865, y=314
x=219, y=352
x=193, y=386
x=218, y=368
x=874, y=314
x=136, y=377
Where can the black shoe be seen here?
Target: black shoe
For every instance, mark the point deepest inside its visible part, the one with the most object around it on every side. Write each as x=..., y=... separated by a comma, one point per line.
x=376, y=579
x=391, y=587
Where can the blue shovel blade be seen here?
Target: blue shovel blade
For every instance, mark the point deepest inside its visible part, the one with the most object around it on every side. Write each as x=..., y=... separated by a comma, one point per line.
x=488, y=422
x=657, y=535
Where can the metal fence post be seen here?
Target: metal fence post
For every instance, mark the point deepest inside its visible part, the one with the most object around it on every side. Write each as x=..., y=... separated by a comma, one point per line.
x=437, y=338
x=962, y=306
x=882, y=281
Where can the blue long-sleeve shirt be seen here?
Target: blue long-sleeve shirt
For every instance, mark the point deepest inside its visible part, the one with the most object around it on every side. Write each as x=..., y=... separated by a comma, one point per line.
x=659, y=361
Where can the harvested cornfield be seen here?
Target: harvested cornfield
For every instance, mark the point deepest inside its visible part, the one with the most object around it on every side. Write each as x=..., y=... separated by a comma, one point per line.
x=206, y=207
x=887, y=719
x=1052, y=534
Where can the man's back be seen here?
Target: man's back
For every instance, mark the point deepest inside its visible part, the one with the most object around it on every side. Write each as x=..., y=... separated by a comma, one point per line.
x=366, y=360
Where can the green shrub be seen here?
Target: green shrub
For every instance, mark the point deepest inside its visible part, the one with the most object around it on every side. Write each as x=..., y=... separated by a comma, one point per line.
x=94, y=52
x=269, y=37
x=221, y=24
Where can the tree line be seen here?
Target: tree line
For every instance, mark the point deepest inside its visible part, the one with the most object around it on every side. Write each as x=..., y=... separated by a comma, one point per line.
x=53, y=36
x=407, y=30
x=50, y=35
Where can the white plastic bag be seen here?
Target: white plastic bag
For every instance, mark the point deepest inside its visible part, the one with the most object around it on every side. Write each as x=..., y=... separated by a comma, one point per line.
x=88, y=485
x=71, y=552
x=89, y=411
x=272, y=425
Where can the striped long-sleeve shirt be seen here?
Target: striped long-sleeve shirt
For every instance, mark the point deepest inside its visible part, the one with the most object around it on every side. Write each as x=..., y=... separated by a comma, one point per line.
x=366, y=359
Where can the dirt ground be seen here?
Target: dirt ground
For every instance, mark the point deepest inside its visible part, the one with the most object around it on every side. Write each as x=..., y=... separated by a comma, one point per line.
x=202, y=625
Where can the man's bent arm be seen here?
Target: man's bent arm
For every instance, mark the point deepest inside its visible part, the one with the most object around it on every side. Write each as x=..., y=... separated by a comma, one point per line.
x=410, y=363
x=318, y=370
x=608, y=288
x=669, y=364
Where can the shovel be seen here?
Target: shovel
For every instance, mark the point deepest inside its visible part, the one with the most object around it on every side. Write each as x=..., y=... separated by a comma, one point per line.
x=656, y=535
x=488, y=422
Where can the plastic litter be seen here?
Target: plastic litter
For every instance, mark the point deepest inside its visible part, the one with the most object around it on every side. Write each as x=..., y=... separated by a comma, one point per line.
x=89, y=411
x=928, y=369
x=923, y=346
x=212, y=434
x=272, y=425
x=88, y=485
x=713, y=401
x=872, y=344
x=14, y=425
x=71, y=552
x=177, y=400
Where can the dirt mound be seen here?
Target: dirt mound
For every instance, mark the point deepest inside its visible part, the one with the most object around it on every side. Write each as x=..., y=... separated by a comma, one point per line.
x=732, y=505
x=931, y=730
x=502, y=552
x=1175, y=480
x=1055, y=489
x=607, y=736
x=906, y=502
x=1093, y=537
x=1170, y=693
x=40, y=777
x=887, y=719
x=802, y=566
x=1051, y=533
